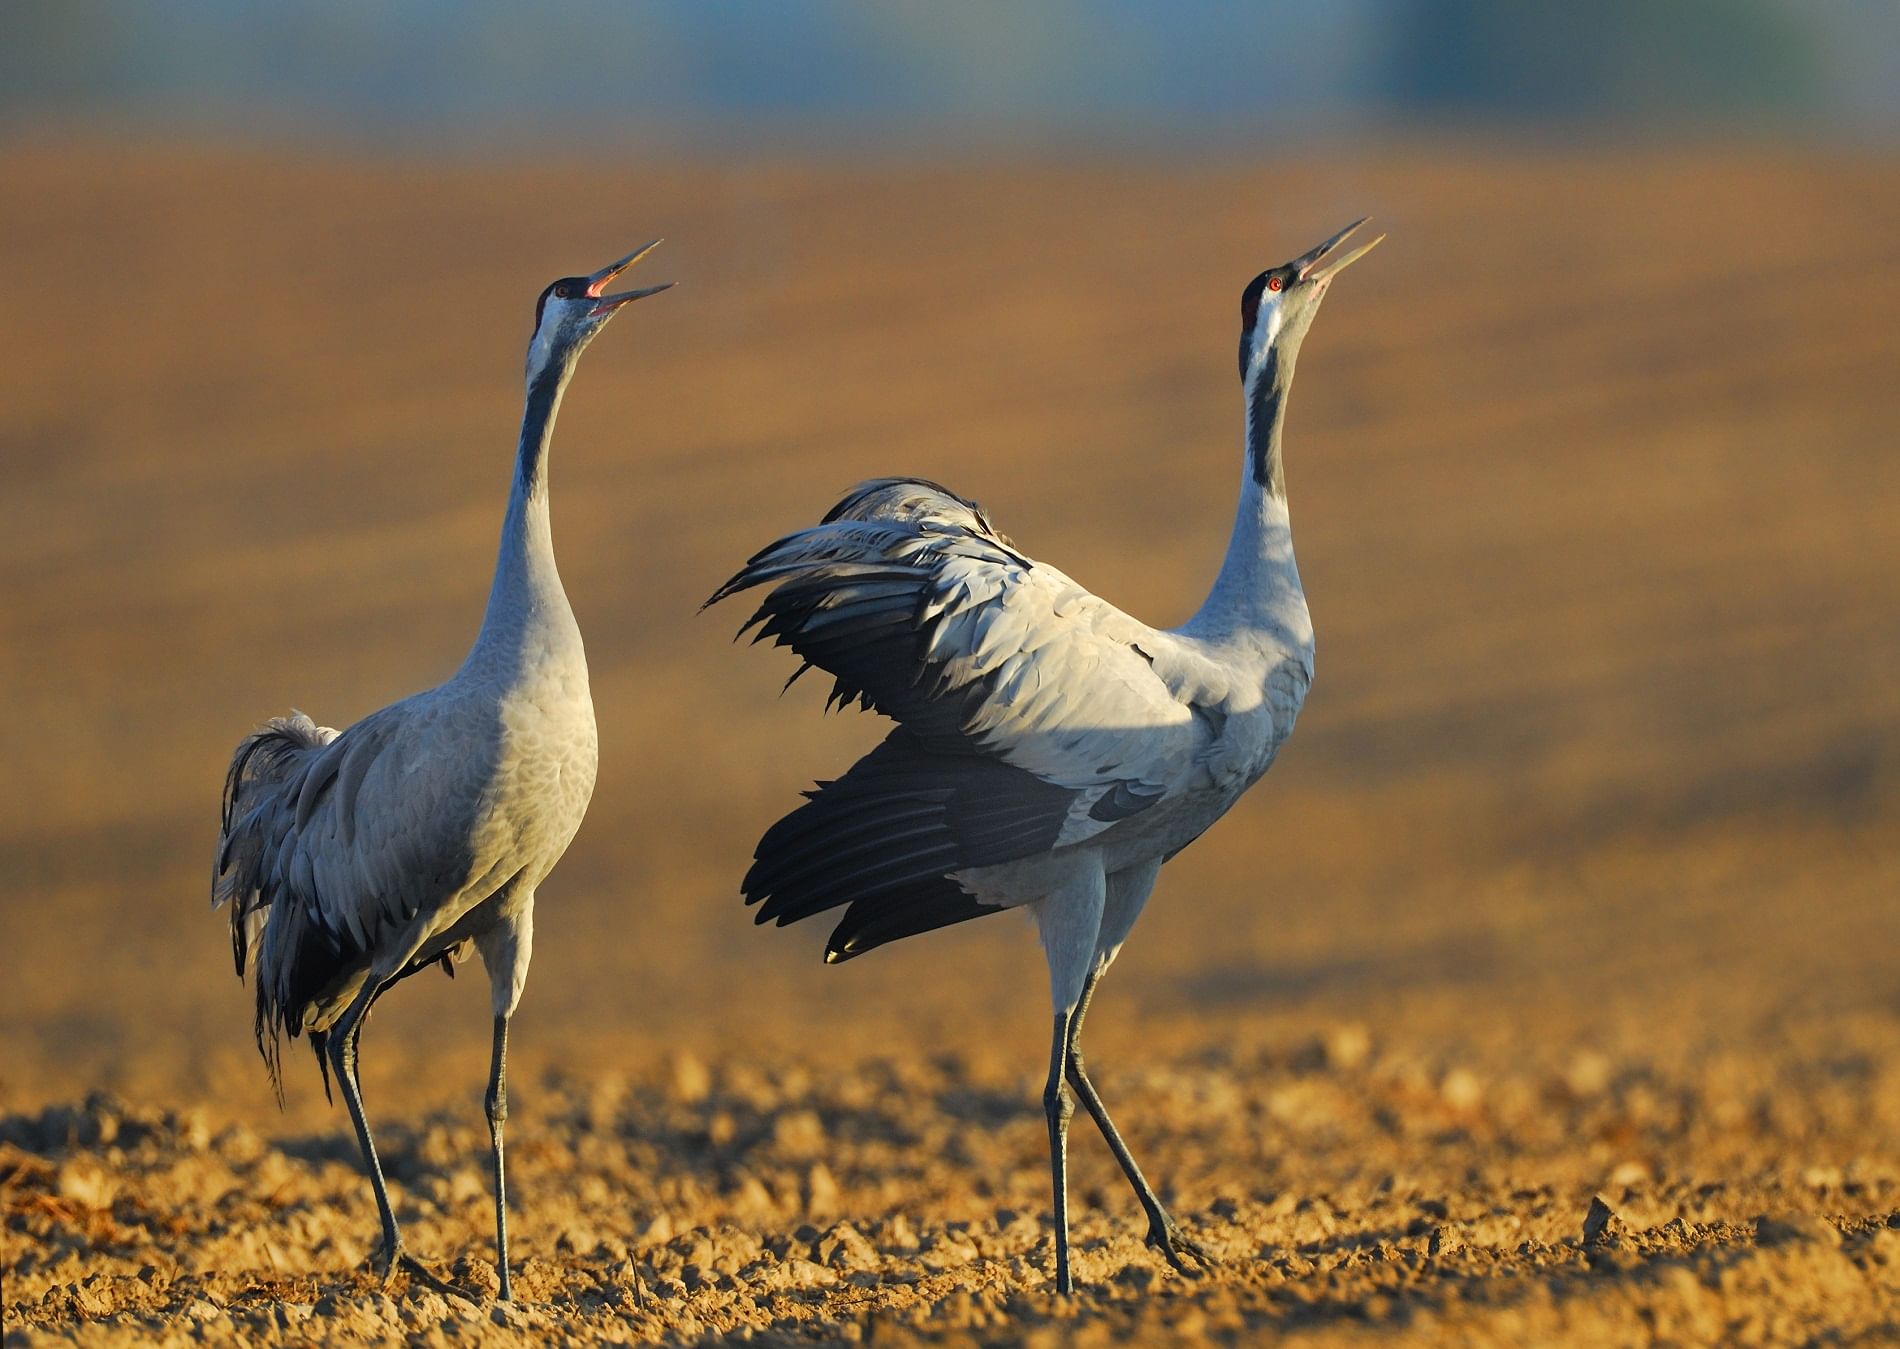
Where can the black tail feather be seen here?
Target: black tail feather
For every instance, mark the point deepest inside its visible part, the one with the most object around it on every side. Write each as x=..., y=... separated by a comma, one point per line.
x=924, y=907
x=319, y=1045
x=884, y=840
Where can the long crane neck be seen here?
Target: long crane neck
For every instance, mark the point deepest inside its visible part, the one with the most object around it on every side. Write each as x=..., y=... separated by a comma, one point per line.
x=1258, y=589
x=528, y=615
x=1269, y=379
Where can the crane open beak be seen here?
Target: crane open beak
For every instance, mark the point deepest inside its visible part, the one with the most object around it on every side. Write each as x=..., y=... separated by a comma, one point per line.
x=1320, y=265
x=600, y=280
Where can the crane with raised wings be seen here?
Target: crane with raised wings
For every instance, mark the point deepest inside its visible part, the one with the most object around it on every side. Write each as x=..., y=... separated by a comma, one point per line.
x=1050, y=752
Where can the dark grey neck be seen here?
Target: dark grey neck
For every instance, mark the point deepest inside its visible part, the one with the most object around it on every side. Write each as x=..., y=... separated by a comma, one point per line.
x=1266, y=411
x=527, y=610
x=537, y=425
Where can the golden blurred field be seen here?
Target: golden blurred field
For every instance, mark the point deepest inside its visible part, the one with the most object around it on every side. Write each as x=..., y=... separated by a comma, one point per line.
x=1594, y=805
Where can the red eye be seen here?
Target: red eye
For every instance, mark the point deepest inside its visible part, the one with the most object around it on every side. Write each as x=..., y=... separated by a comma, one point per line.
x=1273, y=283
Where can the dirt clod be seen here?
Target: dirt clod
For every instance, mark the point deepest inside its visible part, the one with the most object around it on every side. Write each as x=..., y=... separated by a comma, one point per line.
x=843, y=1248
x=1795, y=1229
x=1600, y=1224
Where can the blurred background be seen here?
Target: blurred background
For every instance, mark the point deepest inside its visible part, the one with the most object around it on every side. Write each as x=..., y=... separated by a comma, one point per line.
x=1592, y=465
x=1200, y=77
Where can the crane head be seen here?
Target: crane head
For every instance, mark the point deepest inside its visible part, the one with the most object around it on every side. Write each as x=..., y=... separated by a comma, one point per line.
x=1279, y=304
x=572, y=310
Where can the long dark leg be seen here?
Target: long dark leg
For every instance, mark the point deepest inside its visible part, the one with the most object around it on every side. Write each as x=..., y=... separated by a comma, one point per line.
x=345, y=1036
x=497, y=1103
x=343, y=1044
x=1163, y=1234
x=1057, y=1106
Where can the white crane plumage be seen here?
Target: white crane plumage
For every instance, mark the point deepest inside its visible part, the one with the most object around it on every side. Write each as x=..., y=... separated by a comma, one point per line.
x=353, y=860
x=1051, y=752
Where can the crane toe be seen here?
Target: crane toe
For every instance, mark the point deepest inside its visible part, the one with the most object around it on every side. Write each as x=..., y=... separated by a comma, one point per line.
x=387, y=1262
x=1167, y=1238
x=420, y=1274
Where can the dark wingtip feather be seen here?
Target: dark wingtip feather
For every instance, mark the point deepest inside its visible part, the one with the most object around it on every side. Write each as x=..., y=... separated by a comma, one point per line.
x=848, y=595
x=882, y=841
x=739, y=580
x=319, y=1043
x=793, y=677
x=879, y=920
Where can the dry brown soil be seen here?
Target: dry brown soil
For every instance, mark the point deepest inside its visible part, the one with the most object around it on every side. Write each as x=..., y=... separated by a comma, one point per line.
x=1578, y=880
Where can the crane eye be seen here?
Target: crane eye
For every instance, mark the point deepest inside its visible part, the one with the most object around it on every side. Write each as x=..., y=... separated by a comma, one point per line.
x=1273, y=283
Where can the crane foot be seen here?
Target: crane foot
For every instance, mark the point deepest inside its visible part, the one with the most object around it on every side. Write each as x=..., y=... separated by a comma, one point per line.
x=387, y=1262
x=420, y=1274
x=387, y=1259
x=1173, y=1244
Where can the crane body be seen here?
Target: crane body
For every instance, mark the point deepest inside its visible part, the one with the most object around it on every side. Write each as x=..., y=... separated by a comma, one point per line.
x=1051, y=752
x=353, y=860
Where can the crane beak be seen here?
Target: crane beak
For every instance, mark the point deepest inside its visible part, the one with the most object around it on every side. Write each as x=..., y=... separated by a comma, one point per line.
x=1322, y=266
x=601, y=279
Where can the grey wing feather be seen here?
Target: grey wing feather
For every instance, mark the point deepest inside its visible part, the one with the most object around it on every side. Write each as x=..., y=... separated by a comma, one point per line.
x=917, y=606
x=256, y=840
x=329, y=844
x=255, y=818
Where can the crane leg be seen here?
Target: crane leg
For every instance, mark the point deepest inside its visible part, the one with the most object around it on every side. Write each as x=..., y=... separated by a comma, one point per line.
x=1057, y=1106
x=1163, y=1234
x=344, y=1038
x=497, y=1104
x=343, y=1044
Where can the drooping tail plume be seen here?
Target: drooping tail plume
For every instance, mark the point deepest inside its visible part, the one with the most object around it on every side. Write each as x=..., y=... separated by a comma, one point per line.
x=259, y=816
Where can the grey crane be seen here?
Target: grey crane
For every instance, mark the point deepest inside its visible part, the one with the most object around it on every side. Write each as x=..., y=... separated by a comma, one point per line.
x=1050, y=751
x=353, y=860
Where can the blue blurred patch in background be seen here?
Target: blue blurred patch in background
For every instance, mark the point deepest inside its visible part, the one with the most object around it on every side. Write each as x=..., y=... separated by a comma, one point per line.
x=1114, y=73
